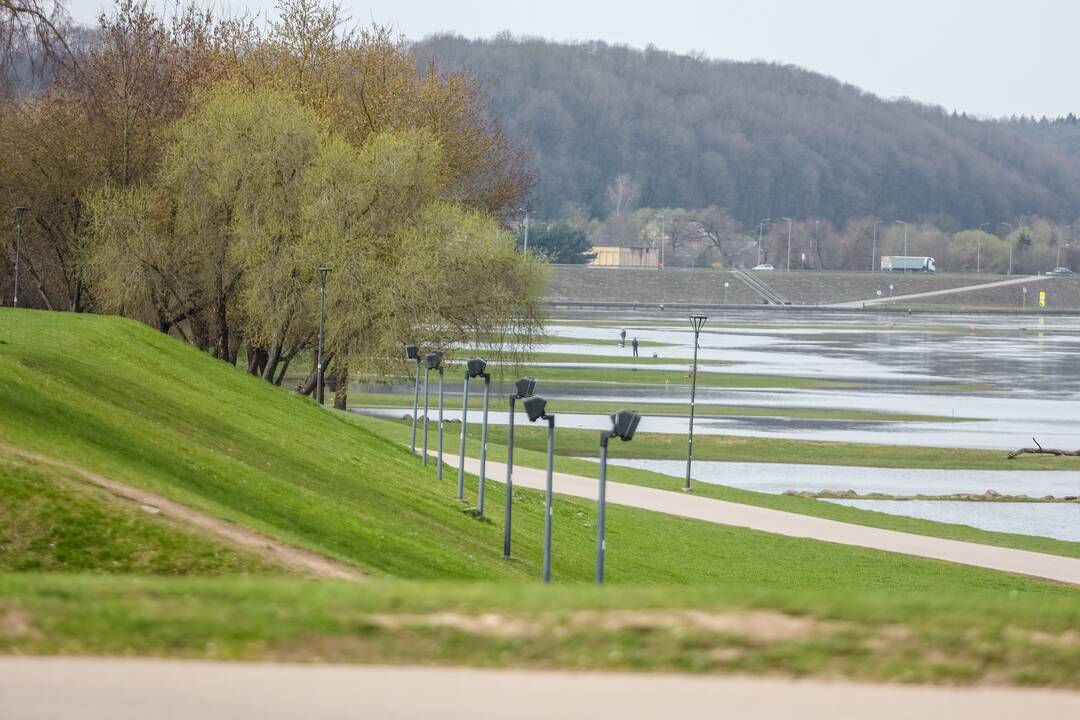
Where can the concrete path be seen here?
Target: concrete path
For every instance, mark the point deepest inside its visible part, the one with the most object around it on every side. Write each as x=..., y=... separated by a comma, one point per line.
x=106, y=689
x=1023, y=279
x=1050, y=567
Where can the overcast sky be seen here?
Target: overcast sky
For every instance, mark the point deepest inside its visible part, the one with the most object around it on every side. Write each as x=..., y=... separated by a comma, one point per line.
x=989, y=57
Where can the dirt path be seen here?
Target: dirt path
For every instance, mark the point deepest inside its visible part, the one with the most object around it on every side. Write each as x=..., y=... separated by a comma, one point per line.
x=1023, y=562
x=106, y=689
x=298, y=560
x=1024, y=279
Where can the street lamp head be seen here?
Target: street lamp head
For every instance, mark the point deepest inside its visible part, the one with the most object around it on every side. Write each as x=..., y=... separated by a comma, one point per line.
x=412, y=352
x=476, y=367
x=525, y=387
x=323, y=272
x=698, y=321
x=535, y=408
x=624, y=424
x=433, y=360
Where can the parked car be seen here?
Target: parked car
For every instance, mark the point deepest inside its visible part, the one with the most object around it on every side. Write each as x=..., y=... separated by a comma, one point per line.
x=763, y=266
x=1061, y=271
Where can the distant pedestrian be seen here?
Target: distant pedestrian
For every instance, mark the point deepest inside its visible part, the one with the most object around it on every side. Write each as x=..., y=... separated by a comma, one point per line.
x=622, y=338
x=635, y=346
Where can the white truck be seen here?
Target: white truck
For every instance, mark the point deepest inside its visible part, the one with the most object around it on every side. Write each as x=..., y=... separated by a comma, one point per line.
x=907, y=263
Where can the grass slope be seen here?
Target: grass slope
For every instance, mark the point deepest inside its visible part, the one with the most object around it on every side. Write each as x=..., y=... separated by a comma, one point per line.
x=51, y=522
x=140, y=407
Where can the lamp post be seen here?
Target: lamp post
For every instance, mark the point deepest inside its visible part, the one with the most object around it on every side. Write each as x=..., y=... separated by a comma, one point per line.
x=873, y=246
x=696, y=323
x=760, y=229
x=412, y=352
x=536, y=409
x=522, y=389
x=19, y=213
x=901, y=222
x=323, y=272
x=1009, y=225
x=624, y=423
x=526, y=248
x=978, y=248
x=789, y=221
x=432, y=361
x=1024, y=294
x=475, y=367
x=1057, y=264
x=726, y=286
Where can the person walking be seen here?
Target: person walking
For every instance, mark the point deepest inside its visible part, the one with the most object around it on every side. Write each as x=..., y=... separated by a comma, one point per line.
x=622, y=338
x=635, y=346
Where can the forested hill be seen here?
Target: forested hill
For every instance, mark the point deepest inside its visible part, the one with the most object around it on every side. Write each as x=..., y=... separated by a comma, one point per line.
x=762, y=140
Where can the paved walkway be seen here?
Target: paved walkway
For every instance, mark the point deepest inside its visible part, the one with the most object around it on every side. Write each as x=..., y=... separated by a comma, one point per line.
x=1023, y=562
x=1023, y=279
x=106, y=689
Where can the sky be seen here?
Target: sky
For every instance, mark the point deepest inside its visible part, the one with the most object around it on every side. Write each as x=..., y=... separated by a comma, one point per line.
x=991, y=58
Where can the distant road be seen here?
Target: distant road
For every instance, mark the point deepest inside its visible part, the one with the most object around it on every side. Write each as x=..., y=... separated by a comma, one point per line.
x=1023, y=562
x=127, y=689
x=1023, y=279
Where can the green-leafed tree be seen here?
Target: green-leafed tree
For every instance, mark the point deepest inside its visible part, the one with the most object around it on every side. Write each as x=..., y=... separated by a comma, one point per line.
x=559, y=242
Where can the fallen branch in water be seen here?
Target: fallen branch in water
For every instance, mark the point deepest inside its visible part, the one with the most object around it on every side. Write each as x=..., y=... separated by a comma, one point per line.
x=1040, y=450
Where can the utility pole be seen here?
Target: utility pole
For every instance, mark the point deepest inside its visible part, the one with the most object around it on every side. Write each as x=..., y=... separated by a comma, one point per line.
x=1009, y=225
x=1058, y=263
x=323, y=272
x=873, y=246
x=978, y=249
x=788, y=242
x=761, y=228
x=662, y=228
x=19, y=213
x=526, y=210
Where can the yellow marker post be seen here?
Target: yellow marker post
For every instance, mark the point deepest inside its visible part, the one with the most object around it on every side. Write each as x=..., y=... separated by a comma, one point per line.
x=1042, y=298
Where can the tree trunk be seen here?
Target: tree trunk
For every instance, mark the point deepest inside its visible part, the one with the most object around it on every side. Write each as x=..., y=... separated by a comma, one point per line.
x=308, y=385
x=256, y=360
x=341, y=387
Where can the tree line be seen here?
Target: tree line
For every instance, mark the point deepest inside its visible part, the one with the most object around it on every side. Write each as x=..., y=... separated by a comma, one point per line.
x=756, y=139
x=193, y=172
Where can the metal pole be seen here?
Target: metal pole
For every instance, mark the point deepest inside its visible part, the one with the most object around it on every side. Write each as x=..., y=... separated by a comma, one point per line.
x=789, y=245
x=600, y=540
x=873, y=250
x=690, y=436
x=526, y=232
x=440, y=419
x=662, y=241
x=509, y=480
x=461, y=451
x=547, y=498
x=322, y=318
x=427, y=375
x=483, y=445
x=415, y=404
x=19, y=212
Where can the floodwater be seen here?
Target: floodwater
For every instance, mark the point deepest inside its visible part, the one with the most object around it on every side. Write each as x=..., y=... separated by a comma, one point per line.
x=780, y=477
x=1055, y=520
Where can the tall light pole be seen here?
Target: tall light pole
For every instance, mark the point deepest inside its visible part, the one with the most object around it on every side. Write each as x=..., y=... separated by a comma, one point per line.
x=536, y=409
x=412, y=352
x=19, y=213
x=761, y=228
x=662, y=228
x=432, y=361
x=901, y=222
x=523, y=388
x=696, y=323
x=873, y=246
x=789, y=221
x=978, y=248
x=1009, y=225
x=526, y=248
x=1058, y=263
x=323, y=272
x=623, y=425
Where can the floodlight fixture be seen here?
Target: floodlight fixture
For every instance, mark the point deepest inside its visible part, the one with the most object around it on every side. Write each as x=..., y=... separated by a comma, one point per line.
x=433, y=360
x=535, y=408
x=412, y=352
x=696, y=323
x=476, y=367
x=525, y=387
x=623, y=425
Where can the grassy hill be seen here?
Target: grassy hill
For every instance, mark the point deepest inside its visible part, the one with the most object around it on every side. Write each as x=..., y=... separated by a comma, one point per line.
x=124, y=401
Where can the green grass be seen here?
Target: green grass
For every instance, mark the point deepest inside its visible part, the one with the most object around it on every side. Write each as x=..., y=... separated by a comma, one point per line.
x=942, y=637
x=403, y=401
x=530, y=451
x=54, y=522
x=139, y=407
